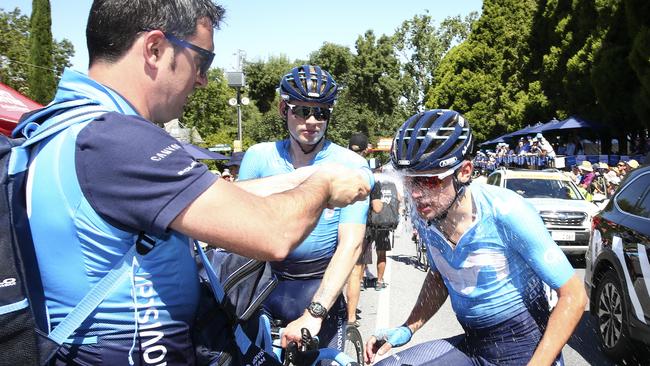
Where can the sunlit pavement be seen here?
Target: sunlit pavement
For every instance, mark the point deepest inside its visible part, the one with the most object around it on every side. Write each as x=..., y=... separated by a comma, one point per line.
x=390, y=307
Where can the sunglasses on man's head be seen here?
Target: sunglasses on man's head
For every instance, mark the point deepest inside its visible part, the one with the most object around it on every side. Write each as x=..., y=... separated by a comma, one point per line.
x=205, y=55
x=302, y=111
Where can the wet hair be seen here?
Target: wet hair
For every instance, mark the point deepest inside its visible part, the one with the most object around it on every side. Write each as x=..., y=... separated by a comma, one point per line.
x=113, y=25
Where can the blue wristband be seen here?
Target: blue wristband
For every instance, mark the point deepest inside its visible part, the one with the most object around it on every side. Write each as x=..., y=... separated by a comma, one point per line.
x=395, y=336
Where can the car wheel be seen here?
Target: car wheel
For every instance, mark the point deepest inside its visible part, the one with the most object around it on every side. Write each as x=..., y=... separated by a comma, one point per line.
x=612, y=316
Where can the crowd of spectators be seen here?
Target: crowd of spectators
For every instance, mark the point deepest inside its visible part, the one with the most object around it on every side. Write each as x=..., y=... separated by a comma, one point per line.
x=599, y=181
x=530, y=152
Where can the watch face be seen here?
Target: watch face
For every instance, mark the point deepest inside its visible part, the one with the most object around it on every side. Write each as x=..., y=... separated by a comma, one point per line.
x=316, y=309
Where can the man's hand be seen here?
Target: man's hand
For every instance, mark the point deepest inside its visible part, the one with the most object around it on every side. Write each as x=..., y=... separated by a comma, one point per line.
x=293, y=330
x=384, y=340
x=346, y=185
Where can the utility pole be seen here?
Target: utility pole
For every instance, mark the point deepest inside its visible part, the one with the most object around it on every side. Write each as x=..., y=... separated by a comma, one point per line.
x=237, y=80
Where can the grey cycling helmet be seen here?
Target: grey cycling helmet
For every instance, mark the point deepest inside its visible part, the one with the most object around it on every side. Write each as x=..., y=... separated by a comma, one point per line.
x=434, y=139
x=309, y=83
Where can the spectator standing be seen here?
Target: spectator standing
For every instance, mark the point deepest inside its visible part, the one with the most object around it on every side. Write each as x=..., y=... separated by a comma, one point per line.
x=359, y=144
x=226, y=175
x=630, y=165
x=545, y=146
x=613, y=182
x=519, y=149
x=388, y=208
x=234, y=163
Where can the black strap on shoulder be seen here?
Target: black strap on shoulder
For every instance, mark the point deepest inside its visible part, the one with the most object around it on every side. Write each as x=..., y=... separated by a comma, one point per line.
x=144, y=244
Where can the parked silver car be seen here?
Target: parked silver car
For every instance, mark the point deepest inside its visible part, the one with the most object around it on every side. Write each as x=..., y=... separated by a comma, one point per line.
x=564, y=210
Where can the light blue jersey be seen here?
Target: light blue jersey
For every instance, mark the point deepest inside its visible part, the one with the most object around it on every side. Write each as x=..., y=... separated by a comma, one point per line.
x=496, y=269
x=310, y=259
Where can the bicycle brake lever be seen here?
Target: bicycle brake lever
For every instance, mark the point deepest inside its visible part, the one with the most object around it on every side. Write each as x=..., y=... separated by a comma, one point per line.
x=309, y=343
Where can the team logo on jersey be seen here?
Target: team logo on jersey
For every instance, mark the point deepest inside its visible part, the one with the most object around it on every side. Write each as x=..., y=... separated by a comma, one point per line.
x=160, y=155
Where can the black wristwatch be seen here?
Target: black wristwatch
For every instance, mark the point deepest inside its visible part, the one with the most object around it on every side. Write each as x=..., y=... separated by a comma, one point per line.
x=317, y=310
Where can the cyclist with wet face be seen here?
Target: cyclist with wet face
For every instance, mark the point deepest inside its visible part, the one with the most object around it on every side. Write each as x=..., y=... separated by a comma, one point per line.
x=308, y=294
x=489, y=252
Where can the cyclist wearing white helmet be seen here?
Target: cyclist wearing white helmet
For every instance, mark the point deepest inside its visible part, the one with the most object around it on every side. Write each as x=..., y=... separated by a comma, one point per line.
x=310, y=279
x=489, y=252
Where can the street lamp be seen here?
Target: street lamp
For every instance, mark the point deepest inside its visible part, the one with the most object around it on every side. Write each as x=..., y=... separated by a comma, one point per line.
x=236, y=80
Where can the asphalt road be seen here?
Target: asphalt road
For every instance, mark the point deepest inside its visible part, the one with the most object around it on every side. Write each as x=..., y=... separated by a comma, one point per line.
x=390, y=307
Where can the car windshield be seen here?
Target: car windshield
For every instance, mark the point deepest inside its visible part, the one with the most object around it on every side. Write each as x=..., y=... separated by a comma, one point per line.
x=544, y=188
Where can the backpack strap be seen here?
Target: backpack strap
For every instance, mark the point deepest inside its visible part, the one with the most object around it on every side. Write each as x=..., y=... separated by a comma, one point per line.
x=27, y=125
x=64, y=115
x=93, y=298
x=241, y=339
x=19, y=158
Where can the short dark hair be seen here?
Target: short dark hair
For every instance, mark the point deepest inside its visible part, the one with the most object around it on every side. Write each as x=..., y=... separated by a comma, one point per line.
x=113, y=25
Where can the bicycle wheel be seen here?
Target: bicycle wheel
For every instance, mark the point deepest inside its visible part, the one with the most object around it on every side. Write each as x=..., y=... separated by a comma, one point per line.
x=353, y=344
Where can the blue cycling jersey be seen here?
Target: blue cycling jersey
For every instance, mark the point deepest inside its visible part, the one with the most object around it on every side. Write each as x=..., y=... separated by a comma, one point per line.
x=494, y=272
x=91, y=189
x=310, y=259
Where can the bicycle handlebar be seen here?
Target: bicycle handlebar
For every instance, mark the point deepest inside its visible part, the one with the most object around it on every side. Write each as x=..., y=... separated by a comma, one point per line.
x=308, y=353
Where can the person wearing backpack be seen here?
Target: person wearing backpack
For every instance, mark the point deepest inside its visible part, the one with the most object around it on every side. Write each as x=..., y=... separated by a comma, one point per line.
x=382, y=221
x=112, y=190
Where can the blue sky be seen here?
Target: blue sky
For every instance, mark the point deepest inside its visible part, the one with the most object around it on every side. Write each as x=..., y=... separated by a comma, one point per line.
x=271, y=27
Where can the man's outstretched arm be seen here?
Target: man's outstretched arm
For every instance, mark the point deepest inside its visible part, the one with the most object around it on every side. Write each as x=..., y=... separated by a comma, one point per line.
x=267, y=228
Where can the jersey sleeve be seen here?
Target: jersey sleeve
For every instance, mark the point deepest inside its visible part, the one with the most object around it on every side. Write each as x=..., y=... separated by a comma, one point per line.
x=249, y=168
x=136, y=176
x=357, y=213
x=522, y=228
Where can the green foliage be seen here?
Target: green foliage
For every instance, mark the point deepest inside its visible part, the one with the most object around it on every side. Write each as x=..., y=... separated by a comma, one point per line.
x=263, y=78
x=374, y=78
x=421, y=46
x=41, y=74
x=523, y=62
x=336, y=59
x=14, y=56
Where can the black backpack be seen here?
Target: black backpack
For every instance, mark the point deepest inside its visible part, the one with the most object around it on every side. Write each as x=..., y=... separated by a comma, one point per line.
x=22, y=322
x=24, y=335
x=388, y=217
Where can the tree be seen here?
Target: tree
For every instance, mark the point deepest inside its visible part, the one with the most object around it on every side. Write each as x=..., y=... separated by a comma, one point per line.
x=263, y=78
x=484, y=77
x=207, y=108
x=14, y=60
x=336, y=59
x=421, y=46
x=41, y=74
x=374, y=78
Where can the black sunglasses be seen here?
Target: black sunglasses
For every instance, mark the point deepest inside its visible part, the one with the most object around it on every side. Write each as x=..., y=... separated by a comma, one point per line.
x=206, y=56
x=320, y=113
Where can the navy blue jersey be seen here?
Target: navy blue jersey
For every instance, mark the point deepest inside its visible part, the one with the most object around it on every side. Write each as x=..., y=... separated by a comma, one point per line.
x=91, y=189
